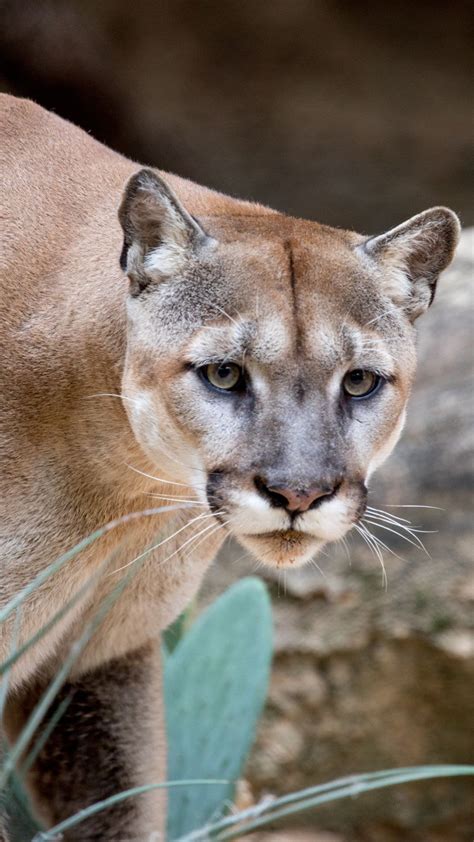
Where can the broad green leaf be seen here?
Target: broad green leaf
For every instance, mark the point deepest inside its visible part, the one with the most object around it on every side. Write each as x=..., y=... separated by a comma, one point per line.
x=175, y=632
x=215, y=687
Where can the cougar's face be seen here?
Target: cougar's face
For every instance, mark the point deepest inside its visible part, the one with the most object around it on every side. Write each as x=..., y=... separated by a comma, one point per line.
x=268, y=369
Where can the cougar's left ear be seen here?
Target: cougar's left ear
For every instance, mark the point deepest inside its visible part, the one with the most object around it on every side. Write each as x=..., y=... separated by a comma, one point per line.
x=159, y=234
x=412, y=256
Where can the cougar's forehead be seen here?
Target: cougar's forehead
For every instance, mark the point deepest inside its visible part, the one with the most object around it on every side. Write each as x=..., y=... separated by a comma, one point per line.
x=286, y=298
x=276, y=299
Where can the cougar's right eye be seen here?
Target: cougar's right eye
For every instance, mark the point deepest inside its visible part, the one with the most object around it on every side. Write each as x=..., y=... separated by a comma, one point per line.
x=227, y=377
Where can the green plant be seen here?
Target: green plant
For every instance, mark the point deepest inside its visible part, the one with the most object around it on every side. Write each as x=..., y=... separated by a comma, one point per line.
x=215, y=687
x=216, y=674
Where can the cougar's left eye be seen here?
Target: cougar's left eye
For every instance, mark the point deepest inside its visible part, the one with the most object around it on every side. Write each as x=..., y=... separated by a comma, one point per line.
x=225, y=376
x=361, y=383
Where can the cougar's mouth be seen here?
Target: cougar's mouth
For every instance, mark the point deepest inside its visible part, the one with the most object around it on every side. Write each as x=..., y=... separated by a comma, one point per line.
x=291, y=535
x=282, y=547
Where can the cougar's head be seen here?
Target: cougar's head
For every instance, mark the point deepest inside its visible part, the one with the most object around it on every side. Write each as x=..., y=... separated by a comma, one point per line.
x=269, y=359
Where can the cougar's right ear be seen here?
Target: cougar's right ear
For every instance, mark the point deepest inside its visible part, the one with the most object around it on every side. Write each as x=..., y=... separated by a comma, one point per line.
x=160, y=235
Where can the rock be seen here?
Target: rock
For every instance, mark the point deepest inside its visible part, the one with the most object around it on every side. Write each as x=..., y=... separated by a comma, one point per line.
x=366, y=679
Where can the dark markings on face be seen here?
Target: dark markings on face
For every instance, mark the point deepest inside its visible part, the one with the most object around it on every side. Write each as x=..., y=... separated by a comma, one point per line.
x=123, y=256
x=214, y=484
x=294, y=296
x=362, y=502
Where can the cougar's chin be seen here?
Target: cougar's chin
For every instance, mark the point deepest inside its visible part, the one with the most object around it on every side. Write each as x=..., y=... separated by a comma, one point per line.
x=282, y=548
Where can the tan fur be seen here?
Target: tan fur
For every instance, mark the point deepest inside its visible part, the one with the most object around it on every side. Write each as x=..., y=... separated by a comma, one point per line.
x=211, y=278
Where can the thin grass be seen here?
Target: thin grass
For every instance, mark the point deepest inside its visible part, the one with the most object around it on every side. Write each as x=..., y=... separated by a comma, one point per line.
x=260, y=816
x=4, y=683
x=254, y=818
x=43, y=737
x=52, y=834
x=46, y=700
x=53, y=568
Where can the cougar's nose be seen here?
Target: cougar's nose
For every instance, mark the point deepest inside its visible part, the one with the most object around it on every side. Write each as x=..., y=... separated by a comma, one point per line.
x=293, y=499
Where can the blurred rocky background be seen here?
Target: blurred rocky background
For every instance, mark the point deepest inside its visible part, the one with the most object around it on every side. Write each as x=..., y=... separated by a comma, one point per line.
x=354, y=114
x=357, y=115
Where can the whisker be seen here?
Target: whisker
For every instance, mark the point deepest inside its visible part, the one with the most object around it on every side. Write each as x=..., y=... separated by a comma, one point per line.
x=373, y=546
x=157, y=479
x=345, y=544
x=382, y=512
x=258, y=564
x=164, y=541
x=378, y=552
x=414, y=506
x=411, y=529
x=177, y=499
x=246, y=554
x=314, y=563
x=195, y=546
x=113, y=395
x=186, y=543
x=385, y=546
x=416, y=542
x=382, y=544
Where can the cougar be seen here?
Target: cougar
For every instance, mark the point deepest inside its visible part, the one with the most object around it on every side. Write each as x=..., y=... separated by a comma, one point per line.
x=187, y=366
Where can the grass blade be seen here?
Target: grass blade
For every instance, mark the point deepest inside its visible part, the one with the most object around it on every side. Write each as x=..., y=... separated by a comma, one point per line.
x=270, y=811
x=42, y=707
x=56, y=565
x=82, y=815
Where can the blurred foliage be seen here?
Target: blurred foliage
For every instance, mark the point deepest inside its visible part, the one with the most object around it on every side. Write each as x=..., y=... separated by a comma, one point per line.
x=354, y=116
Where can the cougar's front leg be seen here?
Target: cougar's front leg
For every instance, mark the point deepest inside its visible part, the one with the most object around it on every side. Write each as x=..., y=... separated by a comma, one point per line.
x=110, y=738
